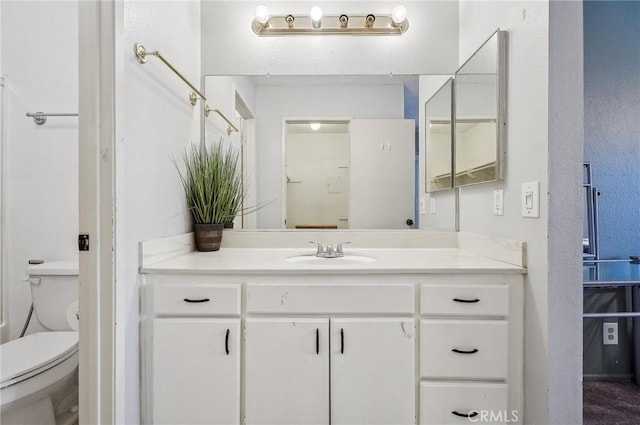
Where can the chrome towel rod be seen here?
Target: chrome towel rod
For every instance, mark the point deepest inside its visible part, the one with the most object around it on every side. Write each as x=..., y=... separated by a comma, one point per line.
x=141, y=54
x=41, y=117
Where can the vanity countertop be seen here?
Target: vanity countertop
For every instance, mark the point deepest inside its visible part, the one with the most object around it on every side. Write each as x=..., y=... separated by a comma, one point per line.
x=274, y=261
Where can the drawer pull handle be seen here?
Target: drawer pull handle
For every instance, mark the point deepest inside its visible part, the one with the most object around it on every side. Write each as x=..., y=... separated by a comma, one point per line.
x=455, y=350
x=200, y=300
x=471, y=414
x=226, y=342
x=317, y=341
x=341, y=340
x=462, y=300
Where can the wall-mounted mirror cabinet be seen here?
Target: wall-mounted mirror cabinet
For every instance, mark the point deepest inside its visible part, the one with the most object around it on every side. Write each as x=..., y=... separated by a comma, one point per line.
x=438, y=139
x=480, y=114
x=471, y=150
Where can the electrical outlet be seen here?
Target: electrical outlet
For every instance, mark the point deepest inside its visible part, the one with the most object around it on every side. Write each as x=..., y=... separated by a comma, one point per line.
x=498, y=202
x=610, y=334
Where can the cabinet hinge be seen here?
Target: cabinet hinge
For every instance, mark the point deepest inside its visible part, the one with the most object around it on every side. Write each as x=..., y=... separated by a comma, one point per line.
x=83, y=242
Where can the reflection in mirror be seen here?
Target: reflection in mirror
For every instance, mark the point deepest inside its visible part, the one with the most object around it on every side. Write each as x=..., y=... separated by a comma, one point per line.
x=480, y=114
x=317, y=174
x=380, y=181
x=438, y=138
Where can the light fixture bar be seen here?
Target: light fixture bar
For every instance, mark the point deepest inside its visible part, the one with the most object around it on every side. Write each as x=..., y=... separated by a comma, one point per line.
x=331, y=25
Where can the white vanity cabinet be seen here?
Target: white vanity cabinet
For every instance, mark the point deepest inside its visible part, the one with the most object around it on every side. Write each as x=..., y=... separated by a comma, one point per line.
x=331, y=369
x=192, y=337
x=471, y=349
x=332, y=348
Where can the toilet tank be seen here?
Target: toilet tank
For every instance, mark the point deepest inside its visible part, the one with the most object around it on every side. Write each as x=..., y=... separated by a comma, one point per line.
x=54, y=292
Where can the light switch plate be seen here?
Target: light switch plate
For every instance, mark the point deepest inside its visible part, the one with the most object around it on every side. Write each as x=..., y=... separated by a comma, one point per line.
x=498, y=202
x=432, y=205
x=530, y=199
x=423, y=205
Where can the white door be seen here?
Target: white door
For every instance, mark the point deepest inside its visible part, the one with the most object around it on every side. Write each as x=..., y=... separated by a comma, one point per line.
x=196, y=371
x=373, y=371
x=286, y=371
x=382, y=174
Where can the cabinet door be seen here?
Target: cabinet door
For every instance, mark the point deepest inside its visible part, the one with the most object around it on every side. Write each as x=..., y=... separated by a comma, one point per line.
x=195, y=371
x=373, y=371
x=287, y=371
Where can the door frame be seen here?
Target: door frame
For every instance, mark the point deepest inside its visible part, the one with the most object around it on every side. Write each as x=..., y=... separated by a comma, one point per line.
x=99, y=28
x=283, y=156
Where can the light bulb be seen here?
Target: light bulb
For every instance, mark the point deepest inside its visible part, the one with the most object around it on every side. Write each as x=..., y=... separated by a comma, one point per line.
x=399, y=14
x=316, y=16
x=262, y=15
x=315, y=126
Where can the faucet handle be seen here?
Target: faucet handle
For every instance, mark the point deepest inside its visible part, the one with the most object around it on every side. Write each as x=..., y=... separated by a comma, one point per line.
x=320, y=247
x=339, y=247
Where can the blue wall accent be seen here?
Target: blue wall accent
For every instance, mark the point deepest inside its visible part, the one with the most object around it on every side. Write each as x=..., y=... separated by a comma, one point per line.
x=612, y=120
x=612, y=145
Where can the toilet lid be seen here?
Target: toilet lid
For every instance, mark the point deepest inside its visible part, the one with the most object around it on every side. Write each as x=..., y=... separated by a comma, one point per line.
x=36, y=351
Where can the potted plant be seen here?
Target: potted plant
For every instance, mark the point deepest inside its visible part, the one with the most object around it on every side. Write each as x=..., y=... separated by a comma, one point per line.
x=212, y=183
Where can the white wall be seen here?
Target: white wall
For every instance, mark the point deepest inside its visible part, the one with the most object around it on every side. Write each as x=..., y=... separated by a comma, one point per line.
x=539, y=149
x=40, y=61
x=158, y=123
x=231, y=47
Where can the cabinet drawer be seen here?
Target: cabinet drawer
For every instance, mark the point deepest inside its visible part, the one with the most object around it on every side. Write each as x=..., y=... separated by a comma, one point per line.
x=460, y=299
x=196, y=299
x=463, y=349
x=484, y=403
x=328, y=298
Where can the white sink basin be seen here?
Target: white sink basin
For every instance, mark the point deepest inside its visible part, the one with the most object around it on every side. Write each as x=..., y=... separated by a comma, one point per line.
x=345, y=260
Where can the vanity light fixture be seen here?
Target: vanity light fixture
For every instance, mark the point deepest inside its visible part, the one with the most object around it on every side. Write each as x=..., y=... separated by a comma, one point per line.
x=316, y=16
x=262, y=15
x=399, y=15
x=266, y=25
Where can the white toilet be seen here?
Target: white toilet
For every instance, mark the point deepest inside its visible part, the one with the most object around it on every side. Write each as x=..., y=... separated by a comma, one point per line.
x=40, y=371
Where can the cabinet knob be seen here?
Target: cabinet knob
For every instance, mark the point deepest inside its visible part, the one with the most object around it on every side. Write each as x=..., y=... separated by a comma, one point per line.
x=468, y=301
x=471, y=414
x=200, y=300
x=455, y=350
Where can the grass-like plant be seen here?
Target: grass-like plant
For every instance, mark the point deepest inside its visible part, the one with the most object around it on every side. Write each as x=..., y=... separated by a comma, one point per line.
x=212, y=182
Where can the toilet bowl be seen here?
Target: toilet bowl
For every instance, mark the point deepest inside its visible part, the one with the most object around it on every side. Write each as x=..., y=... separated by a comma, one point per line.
x=40, y=366
x=39, y=372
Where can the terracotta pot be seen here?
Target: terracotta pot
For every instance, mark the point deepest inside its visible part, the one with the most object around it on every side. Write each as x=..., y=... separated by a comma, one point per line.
x=208, y=236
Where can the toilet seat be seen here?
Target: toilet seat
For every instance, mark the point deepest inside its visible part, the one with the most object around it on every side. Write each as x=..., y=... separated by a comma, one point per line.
x=34, y=354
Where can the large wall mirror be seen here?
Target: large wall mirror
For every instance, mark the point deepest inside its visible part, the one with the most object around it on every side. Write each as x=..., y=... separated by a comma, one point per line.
x=438, y=139
x=480, y=114
x=323, y=152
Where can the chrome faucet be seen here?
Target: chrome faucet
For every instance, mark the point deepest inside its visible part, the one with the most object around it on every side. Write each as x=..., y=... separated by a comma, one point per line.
x=329, y=251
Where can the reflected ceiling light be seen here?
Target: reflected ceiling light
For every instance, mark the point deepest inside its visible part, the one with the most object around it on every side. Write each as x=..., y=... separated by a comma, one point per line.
x=262, y=15
x=315, y=126
x=316, y=16
x=266, y=25
x=399, y=15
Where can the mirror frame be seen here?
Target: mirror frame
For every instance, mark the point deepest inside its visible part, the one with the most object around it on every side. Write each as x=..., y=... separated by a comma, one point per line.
x=501, y=109
x=427, y=183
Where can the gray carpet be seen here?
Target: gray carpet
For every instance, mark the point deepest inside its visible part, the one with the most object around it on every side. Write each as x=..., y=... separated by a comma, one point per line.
x=611, y=403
